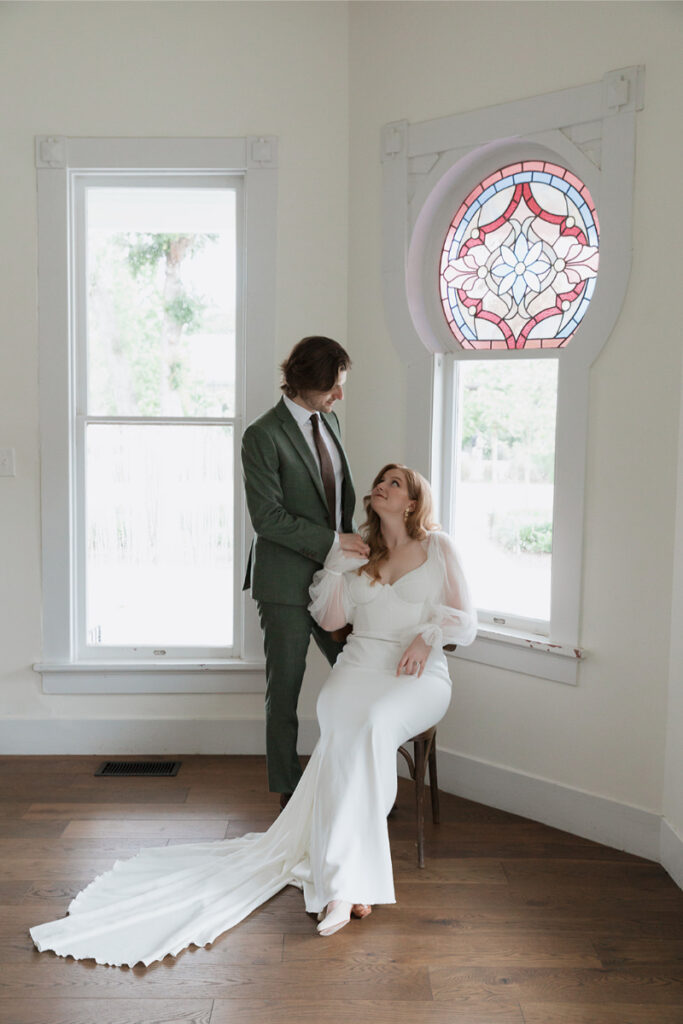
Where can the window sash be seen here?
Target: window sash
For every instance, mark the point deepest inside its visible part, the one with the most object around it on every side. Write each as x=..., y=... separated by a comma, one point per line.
x=108, y=652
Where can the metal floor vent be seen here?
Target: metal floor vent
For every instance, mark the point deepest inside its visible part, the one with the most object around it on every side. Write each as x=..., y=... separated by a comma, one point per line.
x=148, y=768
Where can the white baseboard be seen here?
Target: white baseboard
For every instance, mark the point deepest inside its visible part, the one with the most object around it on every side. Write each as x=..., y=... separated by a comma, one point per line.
x=583, y=814
x=672, y=852
x=108, y=736
x=606, y=821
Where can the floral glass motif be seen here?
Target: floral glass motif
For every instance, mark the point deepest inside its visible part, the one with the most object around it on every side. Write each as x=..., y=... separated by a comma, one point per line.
x=520, y=260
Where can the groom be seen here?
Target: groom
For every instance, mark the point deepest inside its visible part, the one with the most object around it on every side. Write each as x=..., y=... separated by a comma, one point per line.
x=301, y=500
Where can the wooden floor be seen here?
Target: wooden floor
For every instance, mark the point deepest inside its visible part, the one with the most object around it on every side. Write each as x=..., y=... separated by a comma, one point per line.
x=509, y=923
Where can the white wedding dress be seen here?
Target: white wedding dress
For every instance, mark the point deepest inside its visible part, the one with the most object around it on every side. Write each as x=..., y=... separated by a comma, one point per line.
x=331, y=840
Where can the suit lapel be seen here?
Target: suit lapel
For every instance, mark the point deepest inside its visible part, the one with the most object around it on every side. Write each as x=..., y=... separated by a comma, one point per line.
x=293, y=432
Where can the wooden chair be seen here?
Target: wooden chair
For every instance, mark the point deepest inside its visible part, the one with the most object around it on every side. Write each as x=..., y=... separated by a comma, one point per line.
x=424, y=747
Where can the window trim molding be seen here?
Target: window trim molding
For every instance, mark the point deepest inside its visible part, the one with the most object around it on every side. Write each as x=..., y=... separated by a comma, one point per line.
x=58, y=160
x=426, y=167
x=229, y=675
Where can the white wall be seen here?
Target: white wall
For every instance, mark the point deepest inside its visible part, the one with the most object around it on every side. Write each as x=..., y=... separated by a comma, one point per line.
x=420, y=61
x=156, y=69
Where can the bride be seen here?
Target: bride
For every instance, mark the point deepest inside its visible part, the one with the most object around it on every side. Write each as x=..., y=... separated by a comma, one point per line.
x=390, y=683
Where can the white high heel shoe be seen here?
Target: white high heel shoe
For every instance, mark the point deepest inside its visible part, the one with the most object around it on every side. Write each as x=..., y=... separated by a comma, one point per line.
x=338, y=914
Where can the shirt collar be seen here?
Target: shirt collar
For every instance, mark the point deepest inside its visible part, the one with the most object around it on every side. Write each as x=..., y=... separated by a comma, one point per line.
x=300, y=414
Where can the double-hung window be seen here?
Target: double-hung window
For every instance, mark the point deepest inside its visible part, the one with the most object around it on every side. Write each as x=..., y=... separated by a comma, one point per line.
x=152, y=356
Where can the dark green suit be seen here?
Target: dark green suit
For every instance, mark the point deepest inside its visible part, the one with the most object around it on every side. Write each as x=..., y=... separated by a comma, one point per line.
x=289, y=514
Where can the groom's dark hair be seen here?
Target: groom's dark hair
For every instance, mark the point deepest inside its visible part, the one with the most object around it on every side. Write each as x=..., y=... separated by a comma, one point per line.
x=313, y=365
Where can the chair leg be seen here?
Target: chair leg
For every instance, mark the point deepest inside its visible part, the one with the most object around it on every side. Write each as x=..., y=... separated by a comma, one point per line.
x=420, y=768
x=434, y=783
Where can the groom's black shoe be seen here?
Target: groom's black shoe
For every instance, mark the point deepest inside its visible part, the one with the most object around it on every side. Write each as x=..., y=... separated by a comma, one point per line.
x=284, y=800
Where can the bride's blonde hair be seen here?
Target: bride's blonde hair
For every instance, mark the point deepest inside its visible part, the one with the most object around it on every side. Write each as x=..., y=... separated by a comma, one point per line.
x=418, y=523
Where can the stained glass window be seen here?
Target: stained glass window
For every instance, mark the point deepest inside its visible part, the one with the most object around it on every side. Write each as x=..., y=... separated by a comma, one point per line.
x=520, y=259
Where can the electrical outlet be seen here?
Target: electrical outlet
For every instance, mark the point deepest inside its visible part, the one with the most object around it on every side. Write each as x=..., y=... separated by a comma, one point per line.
x=7, y=467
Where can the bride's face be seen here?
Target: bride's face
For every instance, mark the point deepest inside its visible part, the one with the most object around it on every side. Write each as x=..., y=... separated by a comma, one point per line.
x=390, y=495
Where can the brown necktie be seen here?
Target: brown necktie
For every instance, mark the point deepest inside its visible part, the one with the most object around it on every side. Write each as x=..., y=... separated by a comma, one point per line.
x=326, y=471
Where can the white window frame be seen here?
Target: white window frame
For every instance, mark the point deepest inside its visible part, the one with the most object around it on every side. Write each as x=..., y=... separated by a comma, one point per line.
x=428, y=169
x=63, y=165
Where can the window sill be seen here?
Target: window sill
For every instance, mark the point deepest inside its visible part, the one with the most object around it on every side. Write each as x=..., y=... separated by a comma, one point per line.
x=523, y=652
x=519, y=652
x=230, y=675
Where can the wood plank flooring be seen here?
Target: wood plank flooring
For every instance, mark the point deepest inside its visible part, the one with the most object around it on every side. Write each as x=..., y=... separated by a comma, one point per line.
x=510, y=922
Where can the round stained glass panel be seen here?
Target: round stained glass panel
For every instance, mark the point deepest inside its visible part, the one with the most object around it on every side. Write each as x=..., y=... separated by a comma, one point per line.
x=520, y=259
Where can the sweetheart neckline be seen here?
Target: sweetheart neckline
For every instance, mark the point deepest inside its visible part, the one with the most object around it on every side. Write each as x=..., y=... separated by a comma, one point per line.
x=372, y=580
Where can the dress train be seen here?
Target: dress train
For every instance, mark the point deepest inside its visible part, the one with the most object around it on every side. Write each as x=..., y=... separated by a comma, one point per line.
x=170, y=897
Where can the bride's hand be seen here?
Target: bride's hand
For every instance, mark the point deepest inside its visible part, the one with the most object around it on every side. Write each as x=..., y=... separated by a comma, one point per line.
x=414, y=658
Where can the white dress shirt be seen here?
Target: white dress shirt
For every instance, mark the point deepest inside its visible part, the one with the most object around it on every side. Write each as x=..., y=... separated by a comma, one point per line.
x=303, y=419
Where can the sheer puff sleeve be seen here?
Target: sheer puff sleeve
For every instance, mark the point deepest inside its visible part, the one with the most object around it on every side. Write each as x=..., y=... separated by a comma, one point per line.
x=452, y=616
x=329, y=592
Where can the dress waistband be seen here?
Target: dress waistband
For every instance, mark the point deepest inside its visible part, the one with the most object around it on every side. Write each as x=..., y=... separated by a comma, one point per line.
x=378, y=636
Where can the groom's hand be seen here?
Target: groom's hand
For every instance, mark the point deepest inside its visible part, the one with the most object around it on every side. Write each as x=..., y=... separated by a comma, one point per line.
x=353, y=544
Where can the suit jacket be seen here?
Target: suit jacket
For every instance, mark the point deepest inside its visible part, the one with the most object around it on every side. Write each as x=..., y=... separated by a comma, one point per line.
x=287, y=505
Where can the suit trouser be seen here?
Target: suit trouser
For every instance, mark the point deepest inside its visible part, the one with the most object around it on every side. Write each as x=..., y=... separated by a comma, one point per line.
x=287, y=632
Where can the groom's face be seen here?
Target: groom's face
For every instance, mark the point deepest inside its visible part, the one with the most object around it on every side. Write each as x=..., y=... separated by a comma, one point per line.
x=322, y=401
